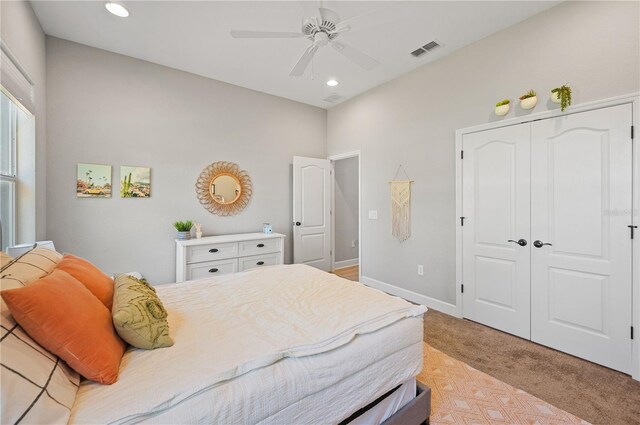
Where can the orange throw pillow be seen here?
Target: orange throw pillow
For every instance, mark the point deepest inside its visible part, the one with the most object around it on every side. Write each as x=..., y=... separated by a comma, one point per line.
x=90, y=276
x=62, y=315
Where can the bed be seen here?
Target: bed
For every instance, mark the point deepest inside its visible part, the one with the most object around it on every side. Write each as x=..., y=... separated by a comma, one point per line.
x=278, y=345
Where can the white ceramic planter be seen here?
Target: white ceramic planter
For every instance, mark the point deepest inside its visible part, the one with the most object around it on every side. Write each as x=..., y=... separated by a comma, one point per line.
x=502, y=110
x=555, y=98
x=529, y=102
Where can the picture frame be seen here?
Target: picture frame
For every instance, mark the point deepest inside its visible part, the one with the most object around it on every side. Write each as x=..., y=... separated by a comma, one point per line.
x=93, y=180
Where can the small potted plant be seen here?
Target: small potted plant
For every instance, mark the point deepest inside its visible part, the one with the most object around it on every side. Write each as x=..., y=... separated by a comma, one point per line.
x=562, y=95
x=528, y=100
x=502, y=107
x=184, y=229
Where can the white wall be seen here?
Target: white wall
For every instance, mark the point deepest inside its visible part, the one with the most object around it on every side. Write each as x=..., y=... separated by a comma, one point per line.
x=346, y=209
x=22, y=34
x=112, y=109
x=593, y=46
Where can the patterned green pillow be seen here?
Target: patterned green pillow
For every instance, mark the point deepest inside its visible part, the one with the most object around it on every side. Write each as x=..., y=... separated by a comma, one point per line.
x=138, y=314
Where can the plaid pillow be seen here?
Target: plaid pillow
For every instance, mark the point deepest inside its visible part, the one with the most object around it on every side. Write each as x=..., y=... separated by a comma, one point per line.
x=37, y=387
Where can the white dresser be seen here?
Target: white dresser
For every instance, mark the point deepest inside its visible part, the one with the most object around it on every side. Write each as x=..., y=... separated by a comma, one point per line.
x=217, y=255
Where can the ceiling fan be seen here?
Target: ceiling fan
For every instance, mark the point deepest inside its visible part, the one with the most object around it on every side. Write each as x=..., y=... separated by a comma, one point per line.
x=321, y=30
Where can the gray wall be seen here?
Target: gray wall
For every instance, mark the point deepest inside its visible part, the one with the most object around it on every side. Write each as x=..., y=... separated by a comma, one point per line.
x=21, y=32
x=593, y=46
x=346, y=208
x=112, y=109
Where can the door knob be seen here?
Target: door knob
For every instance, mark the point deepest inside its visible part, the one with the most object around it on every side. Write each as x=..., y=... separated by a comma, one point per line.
x=521, y=242
x=540, y=244
x=298, y=223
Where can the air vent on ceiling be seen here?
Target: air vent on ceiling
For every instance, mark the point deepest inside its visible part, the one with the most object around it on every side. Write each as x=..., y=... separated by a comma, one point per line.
x=333, y=98
x=425, y=49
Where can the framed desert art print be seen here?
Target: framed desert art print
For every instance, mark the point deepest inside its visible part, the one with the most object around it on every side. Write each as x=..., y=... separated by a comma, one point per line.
x=93, y=181
x=135, y=182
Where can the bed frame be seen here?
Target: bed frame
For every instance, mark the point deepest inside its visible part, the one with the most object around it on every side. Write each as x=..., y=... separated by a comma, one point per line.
x=415, y=412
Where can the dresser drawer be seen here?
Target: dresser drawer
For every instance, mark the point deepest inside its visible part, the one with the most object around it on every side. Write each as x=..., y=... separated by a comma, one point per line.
x=211, y=268
x=247, y=263
x=260, y=246
x=218, y=251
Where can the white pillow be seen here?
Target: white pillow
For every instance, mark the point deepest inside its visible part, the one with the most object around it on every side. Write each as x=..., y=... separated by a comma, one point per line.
x=37, y=386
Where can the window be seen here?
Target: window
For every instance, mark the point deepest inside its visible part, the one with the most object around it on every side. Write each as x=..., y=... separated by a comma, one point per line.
x=8, y=175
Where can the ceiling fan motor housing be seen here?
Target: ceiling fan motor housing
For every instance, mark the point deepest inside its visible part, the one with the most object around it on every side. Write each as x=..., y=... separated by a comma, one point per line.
x=327, y=23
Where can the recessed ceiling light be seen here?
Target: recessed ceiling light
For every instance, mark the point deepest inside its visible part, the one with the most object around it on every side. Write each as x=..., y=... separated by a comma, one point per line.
x=117, y=9
x=332, y=83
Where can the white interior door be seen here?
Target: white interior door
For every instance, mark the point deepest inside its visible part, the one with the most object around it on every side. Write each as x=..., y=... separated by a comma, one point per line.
x=311, y=212
x=581, y=206
x=496, y=201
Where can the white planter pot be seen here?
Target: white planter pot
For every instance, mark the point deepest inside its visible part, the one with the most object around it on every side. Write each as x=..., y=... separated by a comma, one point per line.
x=555, y=98
x=529, y=102
x=502, y=110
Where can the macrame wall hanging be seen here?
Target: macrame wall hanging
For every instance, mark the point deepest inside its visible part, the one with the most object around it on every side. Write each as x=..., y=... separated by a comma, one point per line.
x=401, y=206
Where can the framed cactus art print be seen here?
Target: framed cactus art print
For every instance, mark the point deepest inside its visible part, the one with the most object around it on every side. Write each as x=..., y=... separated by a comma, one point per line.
x=135, y=182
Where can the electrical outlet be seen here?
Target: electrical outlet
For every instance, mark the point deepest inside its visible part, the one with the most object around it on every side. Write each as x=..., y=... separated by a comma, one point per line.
x=420, y=270
x=373, y=214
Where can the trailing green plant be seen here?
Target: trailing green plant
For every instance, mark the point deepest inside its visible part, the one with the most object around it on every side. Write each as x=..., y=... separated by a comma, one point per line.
x=527, y=95
x=503, y=102
x=183, y=226
x=564, y=94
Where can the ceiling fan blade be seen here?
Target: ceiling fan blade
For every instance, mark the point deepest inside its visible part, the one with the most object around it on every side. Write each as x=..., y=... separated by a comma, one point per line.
x=341, y=28
x=356, y=56
x=369, y=18
x=328, y=15
x=304, y=61
x=264, y=34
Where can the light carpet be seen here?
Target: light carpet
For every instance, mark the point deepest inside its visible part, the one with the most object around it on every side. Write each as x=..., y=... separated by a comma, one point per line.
x=461, y=394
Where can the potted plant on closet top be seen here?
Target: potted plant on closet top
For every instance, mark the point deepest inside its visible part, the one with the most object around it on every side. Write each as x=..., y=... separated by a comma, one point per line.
x=562, y=95
x=184, y=229
x=502, y=107
x=528, y=100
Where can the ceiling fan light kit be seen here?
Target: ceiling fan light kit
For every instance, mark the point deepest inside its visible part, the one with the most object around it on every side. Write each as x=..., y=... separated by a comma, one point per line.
x=321, y=30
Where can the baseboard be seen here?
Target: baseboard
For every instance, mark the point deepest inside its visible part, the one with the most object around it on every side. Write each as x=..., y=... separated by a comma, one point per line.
x=345, y=263
x=433, y=303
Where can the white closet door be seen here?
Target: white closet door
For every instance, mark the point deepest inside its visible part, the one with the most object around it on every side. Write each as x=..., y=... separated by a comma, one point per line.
x=581, y=205
x=496, y=199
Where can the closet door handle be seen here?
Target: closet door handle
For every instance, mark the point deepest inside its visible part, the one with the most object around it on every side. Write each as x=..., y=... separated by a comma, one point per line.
x=213, y=270
x=540, y=244
x=521, y=242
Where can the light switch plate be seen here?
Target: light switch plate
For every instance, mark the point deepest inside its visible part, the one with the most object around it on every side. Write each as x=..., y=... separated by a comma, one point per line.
x=373, y=214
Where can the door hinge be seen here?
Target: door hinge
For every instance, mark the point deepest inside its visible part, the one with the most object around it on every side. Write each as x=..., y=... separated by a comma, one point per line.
x=461, y=154
x=462, y=288
x=462, y=221
x=632, y=228
x=631, y=332
x=632, y=132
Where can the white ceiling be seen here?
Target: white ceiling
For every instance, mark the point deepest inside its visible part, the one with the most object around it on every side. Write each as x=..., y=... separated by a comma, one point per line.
x=194, y=37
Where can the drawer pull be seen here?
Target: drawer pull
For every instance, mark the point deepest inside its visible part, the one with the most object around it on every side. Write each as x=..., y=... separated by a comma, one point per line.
x=213, y=250
x=213, y=270
x=260, y=263
x=260, y=245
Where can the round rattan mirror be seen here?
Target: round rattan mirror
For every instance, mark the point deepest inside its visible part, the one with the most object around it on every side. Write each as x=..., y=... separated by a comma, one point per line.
x=223, y=188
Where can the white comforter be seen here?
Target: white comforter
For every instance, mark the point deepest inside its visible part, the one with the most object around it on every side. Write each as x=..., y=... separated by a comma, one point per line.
x=227, y=326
